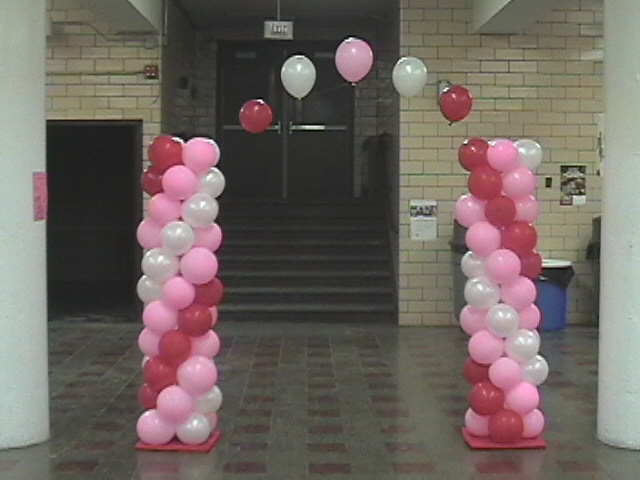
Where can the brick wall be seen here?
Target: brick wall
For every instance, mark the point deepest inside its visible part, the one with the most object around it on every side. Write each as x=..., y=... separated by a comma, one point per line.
x=545, y=84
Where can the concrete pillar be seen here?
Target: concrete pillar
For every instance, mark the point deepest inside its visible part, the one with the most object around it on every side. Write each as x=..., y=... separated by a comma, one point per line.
x=619, y=362
x=24, y=391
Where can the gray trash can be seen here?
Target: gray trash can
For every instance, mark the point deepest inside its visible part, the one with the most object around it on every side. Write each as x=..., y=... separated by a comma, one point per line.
x=458, y=249
x=593, y=255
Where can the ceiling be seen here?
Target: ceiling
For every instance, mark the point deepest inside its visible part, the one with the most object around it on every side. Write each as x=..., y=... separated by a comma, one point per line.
x=211, y=13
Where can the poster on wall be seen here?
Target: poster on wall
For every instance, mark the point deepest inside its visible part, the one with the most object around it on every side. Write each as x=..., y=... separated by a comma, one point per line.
x=423, y=216
x=573, y=185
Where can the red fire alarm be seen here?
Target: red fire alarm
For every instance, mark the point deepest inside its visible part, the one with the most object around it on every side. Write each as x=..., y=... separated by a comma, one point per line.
x=151, y=72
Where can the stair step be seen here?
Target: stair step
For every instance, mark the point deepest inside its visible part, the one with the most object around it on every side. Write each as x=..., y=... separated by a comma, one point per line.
x=310, y=317
x=310, y=210
x=303, y=267
x=305, y=307
x=308, y=242
x=297, y=274
x=232, y=227
x=308, y=282
x=306, y=290
x=304, y=252
x=254, y=257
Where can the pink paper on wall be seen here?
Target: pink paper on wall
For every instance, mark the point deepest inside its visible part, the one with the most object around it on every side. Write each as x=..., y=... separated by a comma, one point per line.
x=40, y=196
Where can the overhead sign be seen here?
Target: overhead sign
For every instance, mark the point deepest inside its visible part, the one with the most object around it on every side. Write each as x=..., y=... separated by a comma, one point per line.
x=278, y=30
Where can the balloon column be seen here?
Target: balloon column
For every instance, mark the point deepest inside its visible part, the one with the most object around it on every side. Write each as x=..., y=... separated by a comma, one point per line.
x=180, y=292
x=504, y=367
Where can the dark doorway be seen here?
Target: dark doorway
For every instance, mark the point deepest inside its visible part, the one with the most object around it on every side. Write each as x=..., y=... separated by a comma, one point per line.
x=307, y=153
x=95, y=204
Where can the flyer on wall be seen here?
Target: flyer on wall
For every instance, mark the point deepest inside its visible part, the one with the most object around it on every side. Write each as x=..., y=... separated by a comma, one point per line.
x=423, y=219
x=573, y=185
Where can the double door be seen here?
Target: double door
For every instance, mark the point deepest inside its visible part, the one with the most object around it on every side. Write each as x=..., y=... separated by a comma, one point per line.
x=306, y=154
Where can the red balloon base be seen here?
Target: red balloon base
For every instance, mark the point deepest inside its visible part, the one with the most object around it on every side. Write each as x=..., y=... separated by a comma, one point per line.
x=485, y=443
x=177, y=446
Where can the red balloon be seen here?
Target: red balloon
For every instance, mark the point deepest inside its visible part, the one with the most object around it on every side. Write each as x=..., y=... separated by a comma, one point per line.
x=531, y=265
x=455, y=103
x=475, y=372
x=151, y=181
x=520, y=237
x=174, y=347
x=255, y=116
x=165, y=152
x=505, y=426
x=147, y=397
x=209, y=294
x=158, y=374
x=500, y=211
x=195, y=320
x=485, y=183
x=485, y=398
x=473, y=153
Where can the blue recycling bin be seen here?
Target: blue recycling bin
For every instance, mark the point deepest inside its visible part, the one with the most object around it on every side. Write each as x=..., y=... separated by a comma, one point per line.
x=553, y=295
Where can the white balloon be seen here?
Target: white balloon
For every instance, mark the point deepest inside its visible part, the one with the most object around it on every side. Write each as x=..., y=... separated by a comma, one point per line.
x=480, y=292
x=177, y=237
x=210, y=402
x=530, y=153
x=212, y=183
x=298, y=76
x=195, y=430
x=472, y=265
x=148, y=290
x=536, y=371
x=159, y=265
x=409, y=76
x=502, y=320
x=200, y=210
x=522, y=346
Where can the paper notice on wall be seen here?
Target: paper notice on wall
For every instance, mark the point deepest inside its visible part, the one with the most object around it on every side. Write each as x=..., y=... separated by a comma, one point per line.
x=423, y=216
x=573, y=185
x=40, y=196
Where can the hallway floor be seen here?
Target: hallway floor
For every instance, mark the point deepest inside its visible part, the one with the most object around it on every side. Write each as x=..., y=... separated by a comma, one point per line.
x=314, y=401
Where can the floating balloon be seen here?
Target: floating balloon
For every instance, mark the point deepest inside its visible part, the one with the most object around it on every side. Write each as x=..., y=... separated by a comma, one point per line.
x=481, y=293
x=200, y=154
x=255, y=116
x=469, y=210
x=409, y=76
x=500, y=211
x=473, y=153
x=485, y=183
x=505, y=426
x=530, y=153
x=502, y=320
x=165, y=152
x=455, y=103
x=503, y=155
x=354, y=59
x=298, y=76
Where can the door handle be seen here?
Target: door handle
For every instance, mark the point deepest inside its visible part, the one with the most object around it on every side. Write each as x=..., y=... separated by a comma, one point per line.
x=273, y=128
x=309, y=127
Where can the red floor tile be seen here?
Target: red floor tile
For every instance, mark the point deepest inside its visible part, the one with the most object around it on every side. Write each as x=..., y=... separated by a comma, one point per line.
x=329, y=468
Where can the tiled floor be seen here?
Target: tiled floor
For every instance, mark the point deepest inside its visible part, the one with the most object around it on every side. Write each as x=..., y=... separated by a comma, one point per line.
x=314, y=401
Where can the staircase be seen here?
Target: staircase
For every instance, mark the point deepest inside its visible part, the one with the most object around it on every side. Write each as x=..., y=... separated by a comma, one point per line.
x=306, y=262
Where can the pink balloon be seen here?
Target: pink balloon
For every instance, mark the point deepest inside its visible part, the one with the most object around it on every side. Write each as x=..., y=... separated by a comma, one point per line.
x=533, y=424
x=207, y=345
x=519, y=294
x=522, y=398
x=179, y=182
x=209, y=237
x=199, y=266
x=148, y=342
x=159, y=318
x=472, y=319
x=200, y=154
x=153, y=429
x=484, y=348
x=197, y=375
x=177, y=293
x=527, y=209
x=502, y=266
x=148, y=234
x=354, y=59
x=164, y=209
x=505, y=373
x=503, y=155
x=518, y=183
x=529, y=317
x=174, y=404
x=469, y=210
x=477, y=425
x=483, y=238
